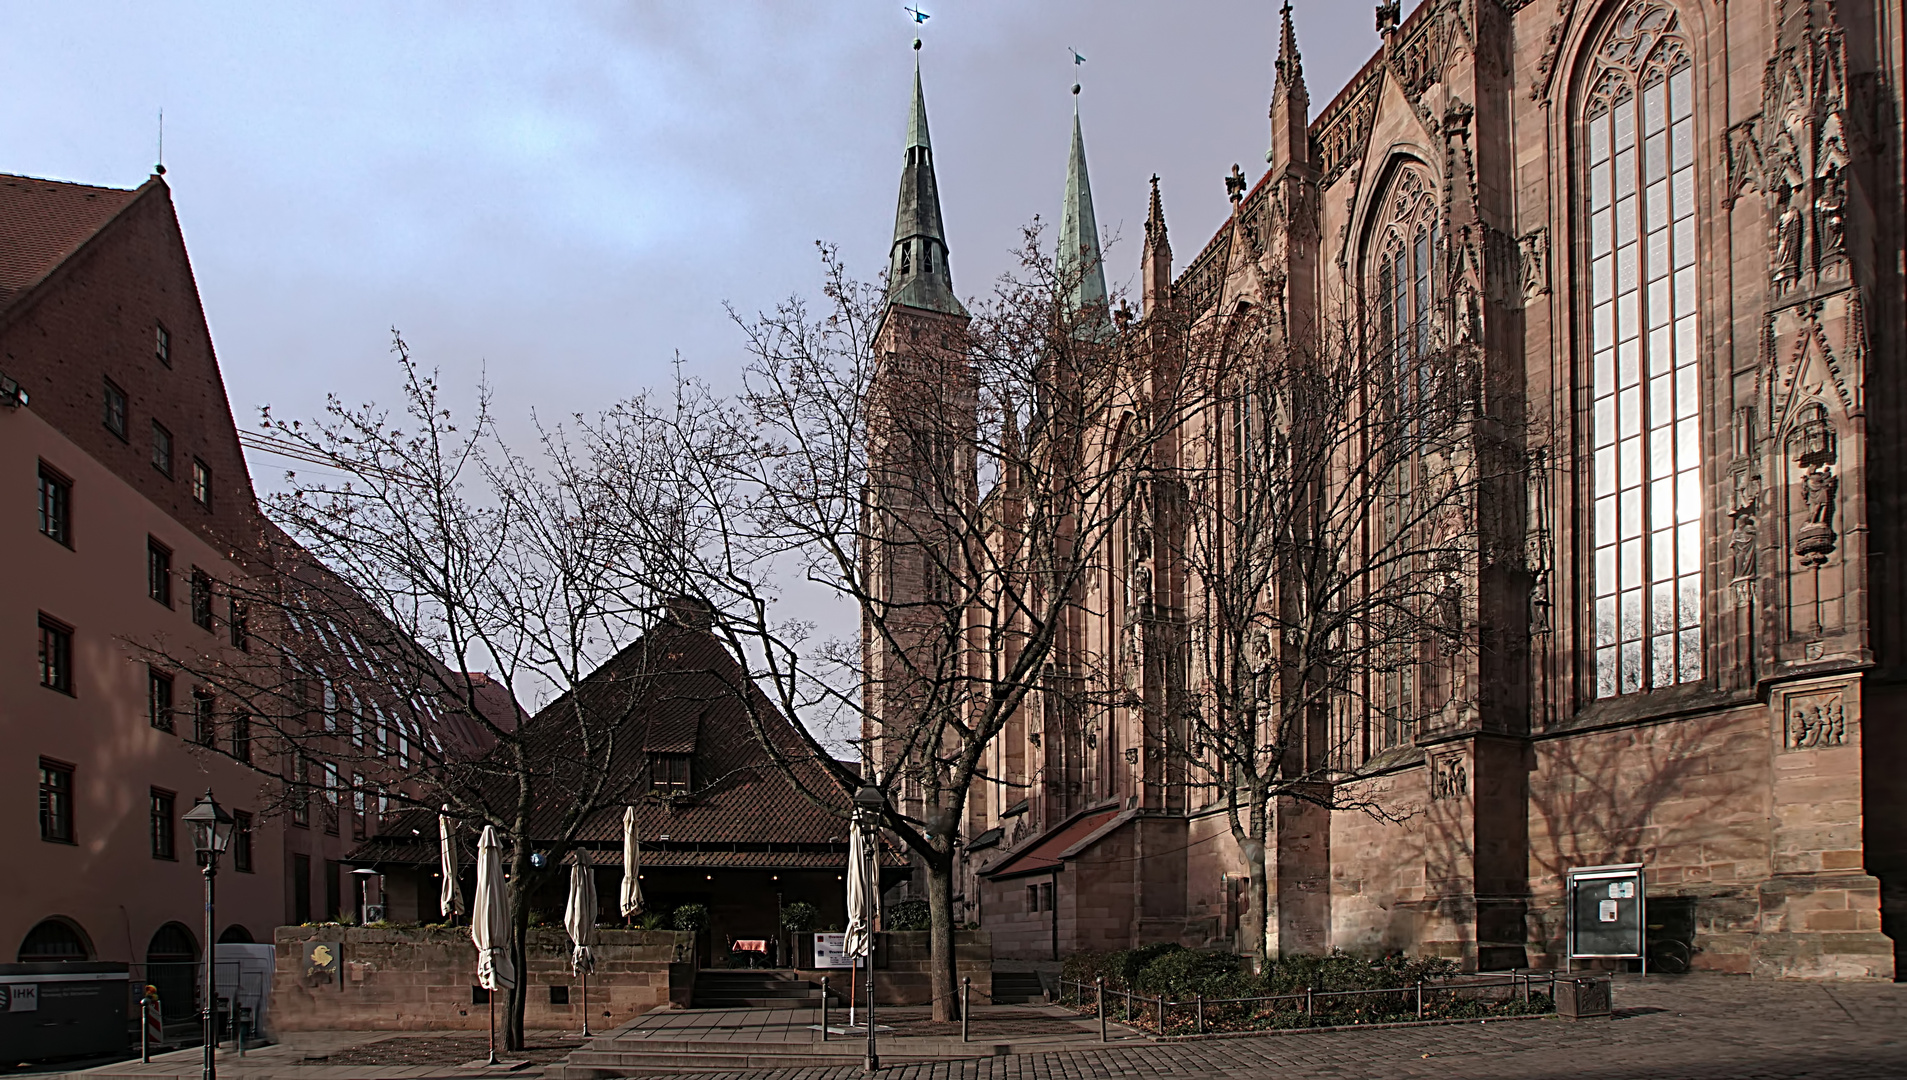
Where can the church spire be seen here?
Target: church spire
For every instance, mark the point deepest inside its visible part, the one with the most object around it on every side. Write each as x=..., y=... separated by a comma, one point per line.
x=1155, y=264
x=917, y=274
x=1290, y=101
x=1079, y=260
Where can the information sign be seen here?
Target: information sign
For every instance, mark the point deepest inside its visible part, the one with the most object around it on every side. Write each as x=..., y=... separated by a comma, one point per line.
x=1606, y=910
x=830, y=951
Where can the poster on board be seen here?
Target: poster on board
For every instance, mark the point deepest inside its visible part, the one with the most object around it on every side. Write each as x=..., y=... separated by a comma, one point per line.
x=830, y=951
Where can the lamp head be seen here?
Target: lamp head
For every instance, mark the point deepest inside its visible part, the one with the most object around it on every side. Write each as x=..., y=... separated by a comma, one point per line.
x=211, y=827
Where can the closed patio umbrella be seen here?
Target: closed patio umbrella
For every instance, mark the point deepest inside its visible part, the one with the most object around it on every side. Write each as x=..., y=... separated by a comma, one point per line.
x=579, y=918
x=631, y=865
x=858, y=942
x=490, y=927
x=450, y=893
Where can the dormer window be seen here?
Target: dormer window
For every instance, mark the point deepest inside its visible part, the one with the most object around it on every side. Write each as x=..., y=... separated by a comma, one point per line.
x=669, y=774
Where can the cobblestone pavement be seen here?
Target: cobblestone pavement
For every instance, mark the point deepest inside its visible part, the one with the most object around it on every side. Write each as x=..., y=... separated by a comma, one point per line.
x=1689, y=1028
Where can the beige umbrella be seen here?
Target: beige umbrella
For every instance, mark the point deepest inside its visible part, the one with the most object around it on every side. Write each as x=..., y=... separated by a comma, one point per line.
x=579, y=918
x=450, y=892
x=490, y=927
x=631, y=865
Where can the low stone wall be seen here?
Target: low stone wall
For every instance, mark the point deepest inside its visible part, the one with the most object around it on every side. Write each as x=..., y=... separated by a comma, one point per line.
x=424, y=980
x=902, y=967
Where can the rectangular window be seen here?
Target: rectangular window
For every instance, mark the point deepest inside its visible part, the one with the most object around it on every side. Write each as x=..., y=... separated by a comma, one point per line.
x=333, y=890
x=115, y=418
x=1646, y=496
x=161, y=448
x=56, y=655
x=204, y=720
x=357, y=806
x=329, y=778
x=202, y=598
x=236, y=623
x=56, y=506
x=56, y=802
x=158, y=699
x=669, y=773
x=299, y=793
x=241, y=737
x=158, y=571
x=162, y=832
x=242, y=841
x=162, y=344
x=301, y=888
x=202, y=483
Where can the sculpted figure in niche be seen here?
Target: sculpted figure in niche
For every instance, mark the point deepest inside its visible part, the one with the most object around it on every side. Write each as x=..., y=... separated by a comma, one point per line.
x=1788, y=241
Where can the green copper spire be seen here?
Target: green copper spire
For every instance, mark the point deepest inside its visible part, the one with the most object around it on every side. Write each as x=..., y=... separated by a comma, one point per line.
x=1079, y=260
x=917, y=272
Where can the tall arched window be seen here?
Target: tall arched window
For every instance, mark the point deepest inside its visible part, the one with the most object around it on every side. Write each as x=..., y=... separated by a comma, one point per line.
x=1405, y=250
x=1638, y=164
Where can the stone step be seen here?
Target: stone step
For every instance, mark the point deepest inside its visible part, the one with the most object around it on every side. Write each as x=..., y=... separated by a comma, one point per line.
x=1017, y=987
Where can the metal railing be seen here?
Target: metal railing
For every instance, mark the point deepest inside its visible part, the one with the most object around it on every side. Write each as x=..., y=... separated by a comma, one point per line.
x=1312, y=1007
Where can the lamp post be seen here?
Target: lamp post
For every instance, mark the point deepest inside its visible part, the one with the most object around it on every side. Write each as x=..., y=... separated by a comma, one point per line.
x=867, y=804
x=211, y=831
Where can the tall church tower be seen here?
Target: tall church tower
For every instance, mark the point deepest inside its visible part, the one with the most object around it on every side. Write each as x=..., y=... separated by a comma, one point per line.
x=921, y=469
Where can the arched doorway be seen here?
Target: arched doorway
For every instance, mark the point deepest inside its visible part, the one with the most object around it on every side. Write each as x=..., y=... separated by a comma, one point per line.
x=172, y=965
x=236, y=934
x=55, y=940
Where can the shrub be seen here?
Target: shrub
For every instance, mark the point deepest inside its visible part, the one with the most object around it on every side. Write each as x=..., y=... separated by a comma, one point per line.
x=691, y=917
x=799, y=917
x=1184, y=973
x=653, y=920
x=908, y=915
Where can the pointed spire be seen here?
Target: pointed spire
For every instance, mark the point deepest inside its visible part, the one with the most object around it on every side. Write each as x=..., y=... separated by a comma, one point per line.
x=1079, y=230
x=917, y=274
x=1155, y=264
x=1290, y=101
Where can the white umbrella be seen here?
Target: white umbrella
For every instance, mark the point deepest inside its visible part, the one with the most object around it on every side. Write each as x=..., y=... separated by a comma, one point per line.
x=631, y=865
x=490, y=927
x=858, y=942
x=450, y=893
x=579, y=918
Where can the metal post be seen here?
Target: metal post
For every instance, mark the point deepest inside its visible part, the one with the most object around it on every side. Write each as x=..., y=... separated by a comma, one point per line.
x=1161, y=1016
x=1420, y=999
x=145, y=1030
x=491, y=997
x=1199, y=1011
x=209, y=1008
x=1099, y=998
x=585, y=1003
x=824, y=1008
x=1307, y=1003
x=966, y=1005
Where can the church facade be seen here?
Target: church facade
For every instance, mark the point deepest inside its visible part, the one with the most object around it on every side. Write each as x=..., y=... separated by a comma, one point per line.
x=1672, y=232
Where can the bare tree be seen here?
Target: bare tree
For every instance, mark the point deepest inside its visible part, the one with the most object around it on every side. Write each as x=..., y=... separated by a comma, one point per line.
x=1336, y=492
x=954, y=495
x=411, y=587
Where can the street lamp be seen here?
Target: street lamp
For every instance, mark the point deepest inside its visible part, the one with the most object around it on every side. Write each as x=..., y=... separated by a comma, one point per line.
x=211, y=832
x=867, y=807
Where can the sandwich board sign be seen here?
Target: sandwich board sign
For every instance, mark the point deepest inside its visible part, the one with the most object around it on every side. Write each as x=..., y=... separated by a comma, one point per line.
x=1605, y=907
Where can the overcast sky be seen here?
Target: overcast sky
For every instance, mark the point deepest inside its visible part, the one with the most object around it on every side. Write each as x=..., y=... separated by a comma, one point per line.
x=566, y=194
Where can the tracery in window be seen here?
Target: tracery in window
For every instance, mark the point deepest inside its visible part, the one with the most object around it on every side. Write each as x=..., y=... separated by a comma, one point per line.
x=1638, y=149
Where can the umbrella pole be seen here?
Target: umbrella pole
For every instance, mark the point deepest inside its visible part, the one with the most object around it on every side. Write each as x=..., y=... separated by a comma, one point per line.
x=854, y=977
x=493, y=1027
x=585, y=1003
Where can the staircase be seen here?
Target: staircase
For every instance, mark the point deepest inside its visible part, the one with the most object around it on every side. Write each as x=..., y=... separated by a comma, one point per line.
x=743, y=988
x=1017, y=988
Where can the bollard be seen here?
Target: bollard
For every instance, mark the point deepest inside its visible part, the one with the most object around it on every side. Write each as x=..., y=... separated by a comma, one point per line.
x=145, y=1032
x=966, y=1004
x=1420, y=999
x=1099, y=983
x=824, y=1008
x=1161, y=1014
x=1309, y=1014
x=1199, y=1007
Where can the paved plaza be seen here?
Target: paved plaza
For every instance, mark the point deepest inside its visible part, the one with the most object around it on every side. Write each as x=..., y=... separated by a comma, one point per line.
x=1695, y=1027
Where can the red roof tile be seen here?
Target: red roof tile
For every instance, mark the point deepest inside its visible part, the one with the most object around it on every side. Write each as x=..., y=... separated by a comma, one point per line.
x=42, y=222
x=1045, y=853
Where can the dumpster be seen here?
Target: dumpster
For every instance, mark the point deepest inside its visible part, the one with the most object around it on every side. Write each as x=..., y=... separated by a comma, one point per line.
x=62, y=1010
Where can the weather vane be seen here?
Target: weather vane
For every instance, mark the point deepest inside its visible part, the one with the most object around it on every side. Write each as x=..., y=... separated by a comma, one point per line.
x=1077, y=59
x=919, y=15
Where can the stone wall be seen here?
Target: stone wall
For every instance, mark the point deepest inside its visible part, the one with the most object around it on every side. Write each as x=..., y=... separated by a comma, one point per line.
x=425, y=980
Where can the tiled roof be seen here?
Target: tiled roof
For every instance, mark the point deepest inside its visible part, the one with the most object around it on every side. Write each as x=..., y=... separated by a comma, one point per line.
x=673, y=689
x=1045, y=853
x=42, y=222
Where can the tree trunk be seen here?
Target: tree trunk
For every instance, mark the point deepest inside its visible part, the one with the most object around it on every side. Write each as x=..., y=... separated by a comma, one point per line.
x=943, y=967
x=520, y=882
x=1258, y=910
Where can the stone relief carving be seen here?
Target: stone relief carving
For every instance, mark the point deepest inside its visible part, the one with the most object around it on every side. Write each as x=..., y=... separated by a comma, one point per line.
x=1815, y=721
x=1553, y=47
x=1812, y=448
x=1803, y=141
x=1742, y=150
x=1532, y=252
x=1744, y=503
x=1449, y=778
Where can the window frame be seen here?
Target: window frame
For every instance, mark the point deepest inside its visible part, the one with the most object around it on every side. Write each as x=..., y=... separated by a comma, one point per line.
x=670, y=785
x=56, y=661
x=241, y=736
x=205, y=728
x=50, y=793
x=117, y=415
x=242, y=835
x=163, y=447
x=201, y=599
x=161, y=820
x=56, y=519
x=158, y=571
x=201, y=483
x=162, y=343
x=161, y=709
